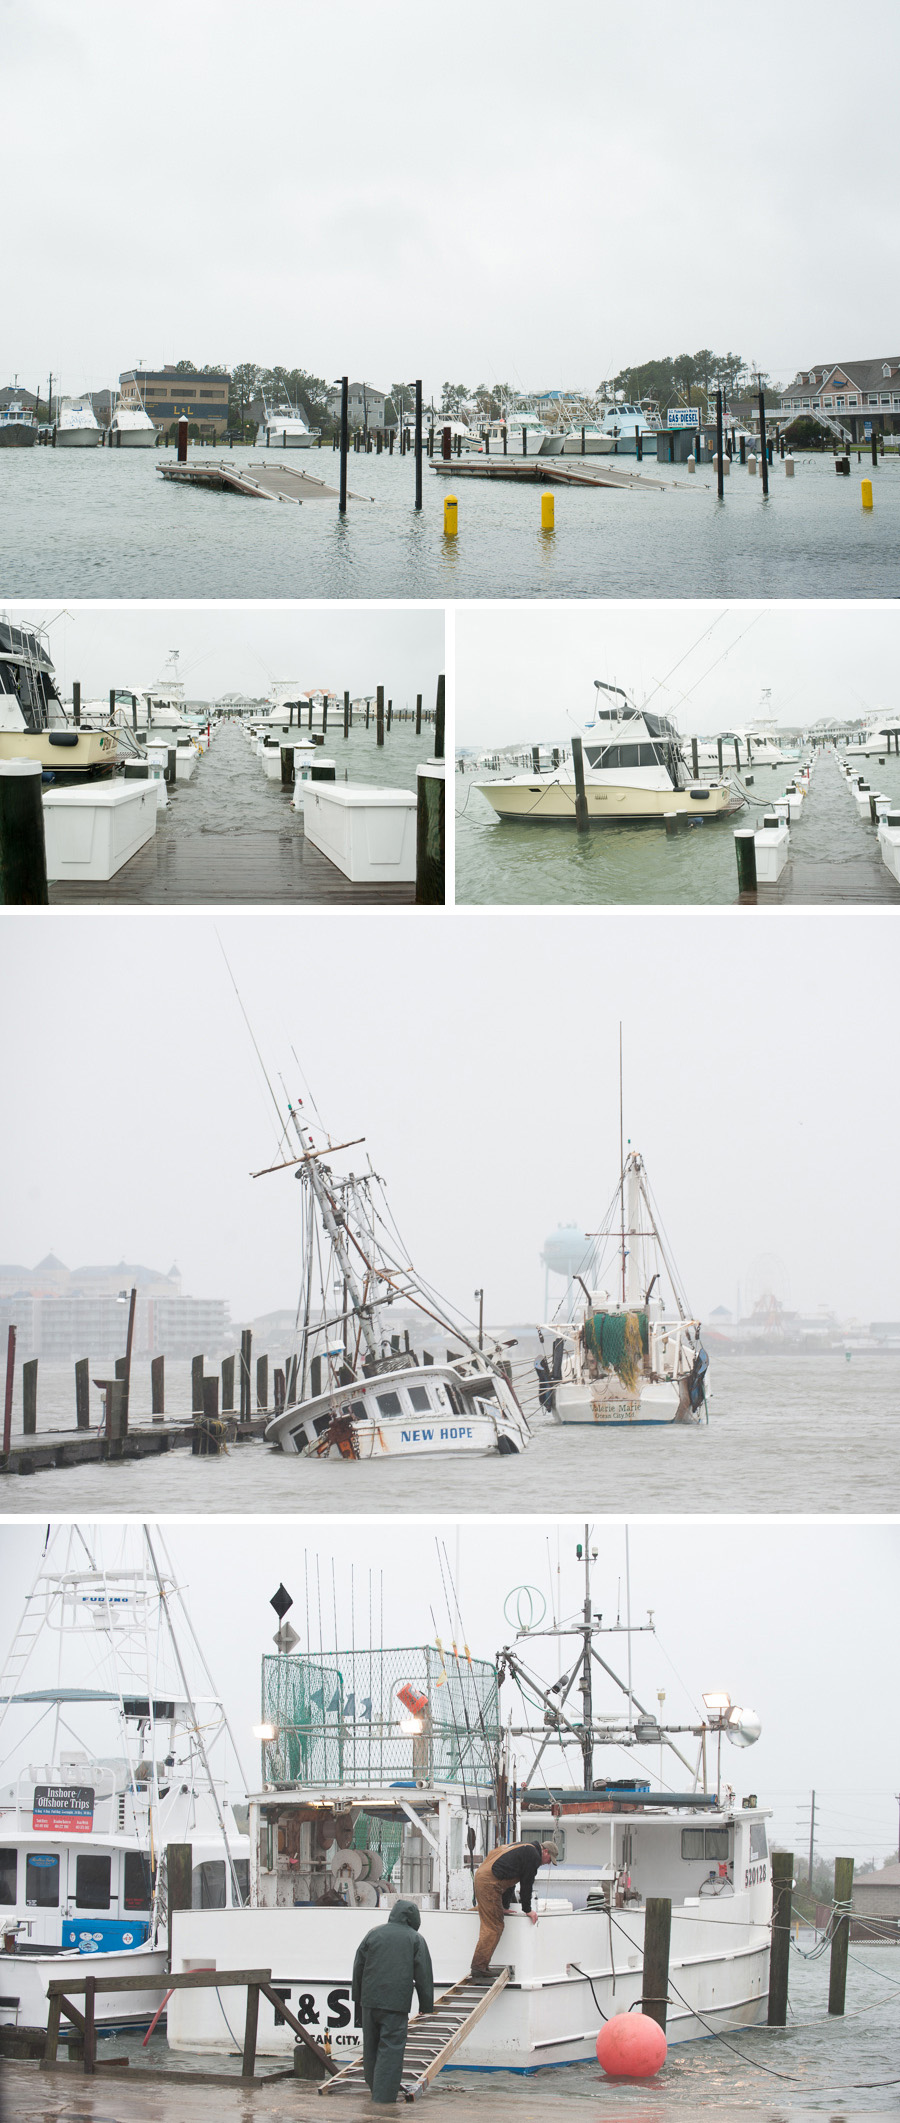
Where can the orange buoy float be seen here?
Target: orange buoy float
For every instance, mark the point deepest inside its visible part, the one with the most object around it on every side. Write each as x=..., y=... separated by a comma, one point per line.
x=631, y=2046
x=415, y=1704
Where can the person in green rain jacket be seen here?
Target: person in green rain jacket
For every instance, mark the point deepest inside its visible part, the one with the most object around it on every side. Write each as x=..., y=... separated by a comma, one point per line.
x=391, y=1962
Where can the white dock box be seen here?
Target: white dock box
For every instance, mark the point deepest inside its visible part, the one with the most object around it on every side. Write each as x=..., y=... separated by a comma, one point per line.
x=368, y=833
x=773, y=845
x=889, y=842
x=92, y=832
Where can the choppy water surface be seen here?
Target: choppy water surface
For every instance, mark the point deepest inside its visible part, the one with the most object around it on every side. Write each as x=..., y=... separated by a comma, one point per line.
x=814, y=1433
x=228, y=788
x=832, y=2067
x=513, y=864
x=102, y=523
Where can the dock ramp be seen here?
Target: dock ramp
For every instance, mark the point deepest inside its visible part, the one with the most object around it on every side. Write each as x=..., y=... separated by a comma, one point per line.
x=434, y=2037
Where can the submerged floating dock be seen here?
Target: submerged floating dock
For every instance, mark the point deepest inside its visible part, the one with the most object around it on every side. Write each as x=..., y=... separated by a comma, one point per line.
x=259, y=482
x=549, y=471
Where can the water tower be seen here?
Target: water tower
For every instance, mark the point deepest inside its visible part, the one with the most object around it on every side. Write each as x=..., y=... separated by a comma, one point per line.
x=564, y=1252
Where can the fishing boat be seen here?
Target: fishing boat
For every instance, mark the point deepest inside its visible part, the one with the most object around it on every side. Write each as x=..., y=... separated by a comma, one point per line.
x=33, y=721
x=131, y=427
x=634, y=772
x=880, y=736
x=283, y=427
x=587, y=439
x=18, y=427
x=623, y=420
x=391, y=1772
x=629, y=1358
x=524, y=432
x=76, y=426
x=352, y=1390
x=83, y=1831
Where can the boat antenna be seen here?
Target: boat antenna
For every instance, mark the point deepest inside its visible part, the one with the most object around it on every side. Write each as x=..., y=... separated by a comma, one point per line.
x=621, y=1163
x=253, y=1037
x=198, y=1734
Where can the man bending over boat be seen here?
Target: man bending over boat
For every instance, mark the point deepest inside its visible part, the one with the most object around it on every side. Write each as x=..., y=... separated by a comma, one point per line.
x=510, y=1866
x=390, y=1963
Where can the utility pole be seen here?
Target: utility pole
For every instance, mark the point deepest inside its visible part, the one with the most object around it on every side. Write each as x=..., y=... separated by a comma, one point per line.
x=812, y=1835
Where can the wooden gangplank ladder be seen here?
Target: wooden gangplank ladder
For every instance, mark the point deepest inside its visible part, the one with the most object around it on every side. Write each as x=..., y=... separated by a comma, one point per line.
x=434, y=2037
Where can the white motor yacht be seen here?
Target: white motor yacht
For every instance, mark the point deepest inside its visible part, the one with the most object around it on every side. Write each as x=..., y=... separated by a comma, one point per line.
x=76, y=426
x=622, y=420
x=33, y=721
x=634, y=771
x=283, y=427
x=525, y=435
x=881, y=736
x=131, y=428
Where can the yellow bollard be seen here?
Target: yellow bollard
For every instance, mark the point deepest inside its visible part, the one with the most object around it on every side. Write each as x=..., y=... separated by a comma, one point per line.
x=867, y=501
x=546, y=512
x=449, y=515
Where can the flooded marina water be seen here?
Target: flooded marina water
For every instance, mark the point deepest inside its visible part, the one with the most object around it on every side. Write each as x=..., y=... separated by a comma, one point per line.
x=102, y=523
x=639, y=865
x=787, y=1433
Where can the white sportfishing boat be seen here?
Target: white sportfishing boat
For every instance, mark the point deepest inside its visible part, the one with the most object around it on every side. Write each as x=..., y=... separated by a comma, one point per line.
x=587, y=440
x=623, y=421
x=352, y=1391
x=76, y=426
x=634, y=771
x=131, y=427
x=880, y=736
x=526, y=435
x=33, y=721
x=83, y=1832
x=283, y=427
x=629, y=1358
x=391, y=1773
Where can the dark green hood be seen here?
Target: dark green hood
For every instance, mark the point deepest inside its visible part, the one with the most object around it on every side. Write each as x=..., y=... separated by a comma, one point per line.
x=405, y=1913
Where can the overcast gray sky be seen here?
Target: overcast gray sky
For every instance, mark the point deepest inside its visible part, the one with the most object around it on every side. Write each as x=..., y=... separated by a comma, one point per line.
x=229, y=648
x=490, y=193
x=528, y=671
x=790, y=1623
x=477, y=1053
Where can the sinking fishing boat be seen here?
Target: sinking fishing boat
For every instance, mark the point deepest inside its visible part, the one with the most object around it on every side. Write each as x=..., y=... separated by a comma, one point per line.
x=83, y=1831
x=354, y=1391
x=391, y=1772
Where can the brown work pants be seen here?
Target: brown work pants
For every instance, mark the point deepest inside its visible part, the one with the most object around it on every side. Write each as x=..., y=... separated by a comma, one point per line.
x=489, y=1902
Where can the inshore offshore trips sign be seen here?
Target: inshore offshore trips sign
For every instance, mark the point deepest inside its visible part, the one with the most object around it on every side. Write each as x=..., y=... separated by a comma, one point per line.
x=67, y=1807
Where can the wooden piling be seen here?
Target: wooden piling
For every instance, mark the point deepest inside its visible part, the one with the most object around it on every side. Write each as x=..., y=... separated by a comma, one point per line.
x=29, y=1397
x=182, y=440
x=430, y=835
x=840, y=1942
x=158, y=1388
x=227, y=1382
x=390, y=714
x=347, y=696
x=780, y=1953
x=83, y=1393
x=196, y=1385
x=246, y=1348
x=90, y=2027
x=179, y=1868
x=439, y=718
x=262, y=1382
x=248, y=2060
x=657, y=1932
x=720, y=466
x=719, y=750
x=695, y=762
x=345, y=442
x=418, y=444
x=76, y=702
x=116, y=1417
x=582, y=823
x=279, y=1391
x=418, y=714
x=763, y=445
x=23, y=858
x=287, y=766
x=379, y=716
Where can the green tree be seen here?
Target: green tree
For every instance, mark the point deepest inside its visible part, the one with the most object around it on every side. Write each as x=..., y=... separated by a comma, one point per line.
x=648, y=379
x=453, y=398
x=685, y=376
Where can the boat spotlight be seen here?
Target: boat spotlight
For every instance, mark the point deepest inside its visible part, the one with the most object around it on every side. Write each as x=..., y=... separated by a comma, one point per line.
x=410, y=1727
x=742, y=1726
x=265, y=1732
x=717, y=1700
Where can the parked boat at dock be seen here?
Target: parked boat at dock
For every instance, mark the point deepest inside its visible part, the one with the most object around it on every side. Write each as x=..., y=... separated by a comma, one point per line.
x=131, y=428
x=880, y=736
x=76, y=426
x=283, y=427
x=389, y=1772
x=634, y=771
x=18, y=427
x=354, y=1392
x=83, y=1830
x=33, y=722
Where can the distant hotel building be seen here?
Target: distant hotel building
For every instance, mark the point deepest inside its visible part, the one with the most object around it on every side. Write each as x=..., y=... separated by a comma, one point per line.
x=60, y=1313
x=861, y=395
x=169, y=392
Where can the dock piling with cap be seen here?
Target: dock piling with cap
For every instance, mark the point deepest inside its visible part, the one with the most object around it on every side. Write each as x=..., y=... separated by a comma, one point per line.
x=83, y=1393
x=29, y=1396
x=780, y=1952
x=840, y=1942
x=655, y=1983
x=582, y=822
x=23, y=858
x=158, y=1388
x=246, y=1352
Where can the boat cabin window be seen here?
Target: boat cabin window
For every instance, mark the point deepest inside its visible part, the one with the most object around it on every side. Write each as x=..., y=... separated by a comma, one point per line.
x=208, y=1885
x=9, y=1869
x=704, y=1843
x=759, y=1847
x=419, y=1400
x=92, y=1881
x=624, y=756
x=41, y=1880
x=389, y=1403
x=242, y=1877
x=138, y=1890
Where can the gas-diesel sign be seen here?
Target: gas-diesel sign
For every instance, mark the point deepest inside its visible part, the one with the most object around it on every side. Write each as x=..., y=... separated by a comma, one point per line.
x=683, y=416
x=68, y=1807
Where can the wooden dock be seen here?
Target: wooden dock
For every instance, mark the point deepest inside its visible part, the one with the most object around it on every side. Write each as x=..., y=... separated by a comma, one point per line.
x=819, y=876
x=36, y=1453
x=549, y=471
x=258, y=481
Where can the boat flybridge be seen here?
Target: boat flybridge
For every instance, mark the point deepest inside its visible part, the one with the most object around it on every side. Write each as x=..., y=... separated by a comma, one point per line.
x=628, y=1358
x=83, y=1830
x=634, y=772
x=33, y=720
x=283, y=427
x=76, y=426
x=354, y=1391
x=391, y=1772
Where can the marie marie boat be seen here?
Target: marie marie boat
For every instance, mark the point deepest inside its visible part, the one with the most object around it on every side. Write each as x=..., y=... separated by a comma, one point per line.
x=391, y=1772
x=634, y=772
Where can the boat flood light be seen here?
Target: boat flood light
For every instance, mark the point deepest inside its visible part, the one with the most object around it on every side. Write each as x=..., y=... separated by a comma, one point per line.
x=410, y=1727
x=265, y=1732
x=717, y=1700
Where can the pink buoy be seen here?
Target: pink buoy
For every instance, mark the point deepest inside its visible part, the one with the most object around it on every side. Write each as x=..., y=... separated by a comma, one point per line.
x=631, y=2046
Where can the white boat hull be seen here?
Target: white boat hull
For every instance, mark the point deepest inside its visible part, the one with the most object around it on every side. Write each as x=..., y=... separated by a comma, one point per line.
x=608, y=803
x=133, y=438
x=546, y=2015
x=660, y=1401
x=78, y=438
x=26, y=1976
x=460, y=1437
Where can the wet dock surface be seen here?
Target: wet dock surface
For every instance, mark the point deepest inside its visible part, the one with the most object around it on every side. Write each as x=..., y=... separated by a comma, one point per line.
x=43, y=1449
x=230, y=837
x=828, y=867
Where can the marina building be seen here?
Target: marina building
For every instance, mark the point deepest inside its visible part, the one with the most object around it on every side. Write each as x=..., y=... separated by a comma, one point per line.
x=168, y=393
x=858, y=395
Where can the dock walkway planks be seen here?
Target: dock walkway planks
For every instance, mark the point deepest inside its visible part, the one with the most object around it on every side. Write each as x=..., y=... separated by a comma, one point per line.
x=278, y=480
x=823, y=875
x=143, y=1440
x=547, y=471
x=231, y=868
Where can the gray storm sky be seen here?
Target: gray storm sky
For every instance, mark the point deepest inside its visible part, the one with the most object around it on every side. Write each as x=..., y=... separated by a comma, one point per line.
x=789, y=1621
x=491, y=193
x=229, y=648
x=528, y=671
x=477, y=1054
